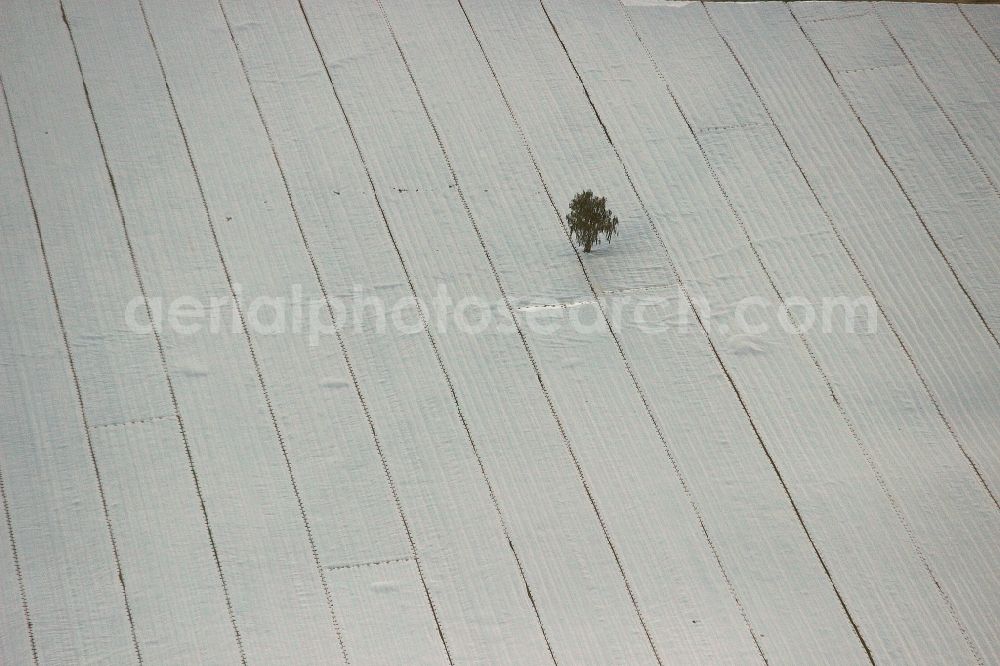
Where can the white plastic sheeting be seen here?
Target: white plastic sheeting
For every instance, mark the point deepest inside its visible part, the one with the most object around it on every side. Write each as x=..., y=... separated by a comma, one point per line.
x=670, y=487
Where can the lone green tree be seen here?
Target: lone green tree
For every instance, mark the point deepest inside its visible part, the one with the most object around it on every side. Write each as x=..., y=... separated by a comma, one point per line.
x=589, y=219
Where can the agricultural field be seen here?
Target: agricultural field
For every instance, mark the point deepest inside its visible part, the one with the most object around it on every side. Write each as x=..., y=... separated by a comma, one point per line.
x=300, y=362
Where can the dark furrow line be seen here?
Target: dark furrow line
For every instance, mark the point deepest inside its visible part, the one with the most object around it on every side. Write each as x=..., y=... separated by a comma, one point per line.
x=701, y=323
x=246, y=334
x=777, y=292
x=17, y=563
x=437, y=355
x=76, y=380
x=894, y=502
x=614, y=336
x=978, y=34
x=340, y=340
x=874, y=68
x=723, y=128
x=937, y=102
x=3, y=495
x=895, y=176
x=162, y=355
x=837, y=18
x=373, y=563
x=524, y=342
x=118, y=424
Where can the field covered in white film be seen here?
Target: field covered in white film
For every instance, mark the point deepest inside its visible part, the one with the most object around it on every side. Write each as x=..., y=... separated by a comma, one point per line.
x=300, y=362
